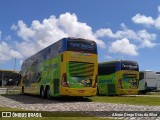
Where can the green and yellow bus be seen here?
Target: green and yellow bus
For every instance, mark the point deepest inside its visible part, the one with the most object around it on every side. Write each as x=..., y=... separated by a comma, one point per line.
x=65, y=68
x=118, y=77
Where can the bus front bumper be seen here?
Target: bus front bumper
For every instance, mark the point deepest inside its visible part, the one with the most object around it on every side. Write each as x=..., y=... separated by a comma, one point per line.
x=129, y=92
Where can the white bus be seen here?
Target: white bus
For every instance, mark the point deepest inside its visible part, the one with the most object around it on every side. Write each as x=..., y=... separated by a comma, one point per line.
x=158, y=80
x=147, y=81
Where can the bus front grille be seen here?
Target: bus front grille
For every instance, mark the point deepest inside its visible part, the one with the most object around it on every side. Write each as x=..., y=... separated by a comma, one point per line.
x=81, y=69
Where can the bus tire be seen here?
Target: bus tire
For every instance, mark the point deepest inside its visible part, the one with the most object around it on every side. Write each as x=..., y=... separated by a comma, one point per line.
x=142, y=92
x=97, y=91
x=22, y=89
x=139, y=92
x=48, y=94
x=42, y=92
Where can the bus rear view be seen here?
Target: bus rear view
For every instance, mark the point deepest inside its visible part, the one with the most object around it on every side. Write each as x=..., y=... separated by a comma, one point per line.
x=129, y=77
x=79, y=68
x=118, y=77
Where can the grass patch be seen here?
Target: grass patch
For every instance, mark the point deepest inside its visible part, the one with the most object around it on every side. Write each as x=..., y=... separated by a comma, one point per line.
x=134, y=100
x=10, y=109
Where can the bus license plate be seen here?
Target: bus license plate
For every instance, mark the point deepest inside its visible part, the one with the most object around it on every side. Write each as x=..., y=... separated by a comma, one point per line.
x=80, y=91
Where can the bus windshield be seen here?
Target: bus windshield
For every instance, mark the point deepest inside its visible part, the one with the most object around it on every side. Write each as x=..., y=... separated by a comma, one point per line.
x=151, y=75
x=80, y=74
x=129, y=81
x=82, y=46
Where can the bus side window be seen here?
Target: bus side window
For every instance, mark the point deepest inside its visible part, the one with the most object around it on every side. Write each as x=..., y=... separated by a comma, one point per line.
x=106, y=69
x=111, y=68
x=141, y=75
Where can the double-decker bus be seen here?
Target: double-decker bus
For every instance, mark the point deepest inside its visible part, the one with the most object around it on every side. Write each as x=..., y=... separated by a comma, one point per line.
x=65, y=68
x=118, y=77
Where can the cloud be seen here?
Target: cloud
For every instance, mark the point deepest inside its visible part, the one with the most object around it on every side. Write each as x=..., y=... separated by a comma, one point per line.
x=124, y=33
x=7, y=53
x=8, y=38
x=158, y=8
x=141, y=37
x=39, y=35
x=147, y=20
x=72, y=27
x=105, y=32
x=147, y=39
x=24, y=32
x=157, y=22
x=14, y=27
x=123, y=46
x=108, y=57
x=142, y=19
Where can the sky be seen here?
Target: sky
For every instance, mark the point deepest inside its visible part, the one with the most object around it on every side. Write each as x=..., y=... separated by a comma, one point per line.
x=122, y=29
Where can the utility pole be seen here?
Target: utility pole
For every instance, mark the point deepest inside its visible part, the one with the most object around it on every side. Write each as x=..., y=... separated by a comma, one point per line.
x=15, y=65
x=2, y=78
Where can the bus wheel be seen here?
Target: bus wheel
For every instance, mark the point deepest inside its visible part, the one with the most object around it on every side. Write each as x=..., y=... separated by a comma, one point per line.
x=22, y=89
x=97, y=91
x=139, y=92
x=48, y=93
x=42, y=93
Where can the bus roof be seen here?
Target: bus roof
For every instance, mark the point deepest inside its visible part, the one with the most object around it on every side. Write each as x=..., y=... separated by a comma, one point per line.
x=63, y=39
x=115, y=61
x=74, y=38
x=147, y=71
